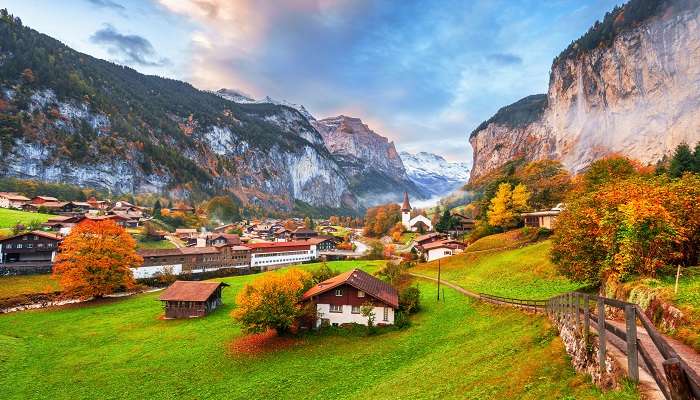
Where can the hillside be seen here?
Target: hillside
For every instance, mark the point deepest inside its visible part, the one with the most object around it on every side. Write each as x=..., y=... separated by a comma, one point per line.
x=74, y=353
x=629, y=86
x=503, y=265
x=68, y=117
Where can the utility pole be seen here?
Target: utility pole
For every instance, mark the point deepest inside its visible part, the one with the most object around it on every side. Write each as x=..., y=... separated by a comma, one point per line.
x=439, y=270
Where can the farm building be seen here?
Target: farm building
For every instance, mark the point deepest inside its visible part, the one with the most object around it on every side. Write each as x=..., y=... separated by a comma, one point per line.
x=442, y=249
x=29, y=252
x=12, y=200
x=190, y=299
x=339, y=299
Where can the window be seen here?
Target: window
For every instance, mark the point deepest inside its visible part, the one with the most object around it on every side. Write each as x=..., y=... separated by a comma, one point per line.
x=360, y=293
x=355, y=309
x=24, y=238
x=338, y=292
x=29, y=245
x=386, y=313
x=336, y=308
x=19, y=245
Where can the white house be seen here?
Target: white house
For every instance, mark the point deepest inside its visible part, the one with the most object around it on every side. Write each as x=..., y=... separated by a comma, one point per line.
x=442, y=249
x=413, y=224
x=12, y=200
x=339, y=300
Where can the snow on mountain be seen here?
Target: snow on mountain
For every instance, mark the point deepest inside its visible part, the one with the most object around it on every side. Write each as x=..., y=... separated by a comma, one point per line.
x=239, y=97
x=433, y=174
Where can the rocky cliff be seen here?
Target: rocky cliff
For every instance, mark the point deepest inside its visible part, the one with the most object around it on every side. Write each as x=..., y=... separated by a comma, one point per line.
x=631, y=85
x=374, y=167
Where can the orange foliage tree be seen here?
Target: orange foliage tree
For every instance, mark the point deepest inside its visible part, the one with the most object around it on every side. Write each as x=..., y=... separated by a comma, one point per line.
x=632, y=226
x=380, y=219
x=272, y=301
x=95, y=259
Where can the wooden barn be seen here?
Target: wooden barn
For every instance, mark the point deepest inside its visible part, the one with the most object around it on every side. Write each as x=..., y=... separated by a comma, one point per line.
x=190, y=299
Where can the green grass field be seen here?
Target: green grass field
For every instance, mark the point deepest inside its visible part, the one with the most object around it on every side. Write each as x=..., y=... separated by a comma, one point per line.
x=151, y=244
x=10, y=218
x=524, y=272
x=11, y=286
x=121, y=349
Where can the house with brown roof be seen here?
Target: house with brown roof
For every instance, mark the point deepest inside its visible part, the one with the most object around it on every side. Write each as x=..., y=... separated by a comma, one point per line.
x=191, y=299
x=34, y=250
x=191, y=260
x=303, y=234
x=339, y=299
x=43, y=199
x=12, y=200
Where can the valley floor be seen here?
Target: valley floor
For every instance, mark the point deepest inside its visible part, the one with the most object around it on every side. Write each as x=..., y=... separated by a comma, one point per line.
x=122, y=349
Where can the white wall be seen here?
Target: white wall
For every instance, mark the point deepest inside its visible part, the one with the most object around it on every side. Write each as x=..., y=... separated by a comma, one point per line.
x=440, y=252
x=265, y=261
x=347, y=317
x=149, y=272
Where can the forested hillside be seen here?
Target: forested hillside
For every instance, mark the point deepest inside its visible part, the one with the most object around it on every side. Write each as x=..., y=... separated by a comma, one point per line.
x=68, y=117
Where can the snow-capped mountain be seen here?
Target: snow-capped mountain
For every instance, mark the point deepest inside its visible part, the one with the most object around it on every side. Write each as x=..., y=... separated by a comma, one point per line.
x=433, y=174
x=239, y=97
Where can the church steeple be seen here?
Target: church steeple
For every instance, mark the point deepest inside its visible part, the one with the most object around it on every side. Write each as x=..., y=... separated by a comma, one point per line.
x=406, y=207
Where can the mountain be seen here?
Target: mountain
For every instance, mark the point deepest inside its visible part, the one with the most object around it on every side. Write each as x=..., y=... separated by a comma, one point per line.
x=238, y=97
x=374, y=168
x=434, y=175
x=630, y=85
x=68, y=117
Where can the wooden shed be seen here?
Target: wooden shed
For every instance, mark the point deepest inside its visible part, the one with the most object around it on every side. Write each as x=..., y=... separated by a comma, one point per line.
x=190, y=299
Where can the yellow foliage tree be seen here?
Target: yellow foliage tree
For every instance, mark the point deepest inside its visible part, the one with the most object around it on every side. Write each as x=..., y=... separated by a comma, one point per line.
x=272, y=301
x=520, y=198
x=500, y=212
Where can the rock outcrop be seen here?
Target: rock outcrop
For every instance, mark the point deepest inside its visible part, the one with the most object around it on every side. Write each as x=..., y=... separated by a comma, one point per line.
x=637, y=94
x=374, y=167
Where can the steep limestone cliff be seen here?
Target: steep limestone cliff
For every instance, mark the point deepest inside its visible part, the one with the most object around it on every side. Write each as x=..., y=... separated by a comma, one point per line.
x=636, y=94
x=374, y=167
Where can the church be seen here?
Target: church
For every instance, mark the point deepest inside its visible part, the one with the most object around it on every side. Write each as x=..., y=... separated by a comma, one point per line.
x=419, y=223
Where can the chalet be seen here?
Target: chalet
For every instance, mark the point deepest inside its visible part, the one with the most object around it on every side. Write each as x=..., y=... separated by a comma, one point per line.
x=183, y=208
x=542, y=219
x=224, y=228
x=282, y=234
x=329, y=229
x=55, y=207
x=34, y=249
x=218, y=239
x=98, y=204
x=303, y=233
x=464, y=223
x=273, y=255
x=325, y=243
x=441, y=249
x=12, y=200
x=428, y=238
x=118, y=219
x=184, y=233
x=63, y=224
x=191, y=299
x=339, y=299
x=43, y=199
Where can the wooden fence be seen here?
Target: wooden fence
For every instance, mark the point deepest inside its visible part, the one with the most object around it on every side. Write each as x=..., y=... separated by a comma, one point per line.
x=677, y=380
x=532, y=305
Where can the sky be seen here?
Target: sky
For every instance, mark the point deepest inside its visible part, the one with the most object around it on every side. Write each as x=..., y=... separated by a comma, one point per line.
x=422, y=73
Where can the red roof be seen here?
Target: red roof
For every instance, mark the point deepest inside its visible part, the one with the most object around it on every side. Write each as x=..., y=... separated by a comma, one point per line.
x=190, y=291
x=406, y=206
x=360, y=280
x=449, y=243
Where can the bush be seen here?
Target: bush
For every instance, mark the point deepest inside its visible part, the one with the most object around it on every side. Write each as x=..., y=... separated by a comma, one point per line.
x=401, y=320
x=409, y=300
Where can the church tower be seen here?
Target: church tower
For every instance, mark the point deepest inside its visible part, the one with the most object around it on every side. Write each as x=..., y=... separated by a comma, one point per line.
x=406, y=212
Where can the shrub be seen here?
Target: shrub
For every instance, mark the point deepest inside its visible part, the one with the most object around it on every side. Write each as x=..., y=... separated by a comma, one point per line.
x=409, y=299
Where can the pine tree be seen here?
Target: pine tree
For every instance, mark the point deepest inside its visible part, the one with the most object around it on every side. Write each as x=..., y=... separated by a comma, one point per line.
x=696, y=159
x=156, y=209
x=682, y=161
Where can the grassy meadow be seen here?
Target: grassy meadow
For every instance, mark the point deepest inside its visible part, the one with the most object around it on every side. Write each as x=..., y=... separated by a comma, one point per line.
x=122, y=349
x=11, y=286
x=9, y=218
x=524, y=272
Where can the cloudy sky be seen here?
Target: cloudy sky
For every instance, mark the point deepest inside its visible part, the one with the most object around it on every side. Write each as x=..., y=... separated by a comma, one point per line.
x=423, y=73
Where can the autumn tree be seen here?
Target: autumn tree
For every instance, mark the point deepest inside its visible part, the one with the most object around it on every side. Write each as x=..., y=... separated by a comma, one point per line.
x=223, y=209
x=500, y=212
x=627, y=227
x=520, y=198
x=547, y=180
x=95, y=259
x=396, y=232
x=273, y=301
x=380, y=219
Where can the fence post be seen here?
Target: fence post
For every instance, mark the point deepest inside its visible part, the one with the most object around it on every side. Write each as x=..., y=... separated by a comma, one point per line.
x=677, y=381
x=586, y=319
x=632, y=357
x=601, y=334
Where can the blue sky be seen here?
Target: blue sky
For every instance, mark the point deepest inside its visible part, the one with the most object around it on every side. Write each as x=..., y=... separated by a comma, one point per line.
x=423, y=73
